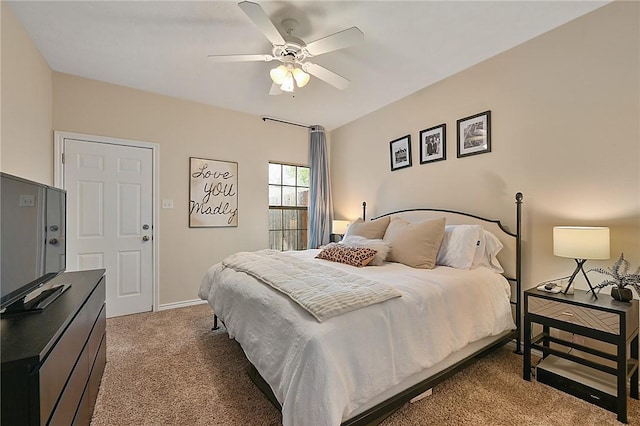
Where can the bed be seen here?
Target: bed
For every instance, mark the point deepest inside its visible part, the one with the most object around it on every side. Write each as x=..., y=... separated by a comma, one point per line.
x=357, y=366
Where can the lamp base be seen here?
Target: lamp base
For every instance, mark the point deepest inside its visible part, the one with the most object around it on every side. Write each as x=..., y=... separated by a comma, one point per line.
x=579, y=267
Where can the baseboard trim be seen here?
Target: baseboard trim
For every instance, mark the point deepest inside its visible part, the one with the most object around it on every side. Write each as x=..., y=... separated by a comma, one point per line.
x=182, y=304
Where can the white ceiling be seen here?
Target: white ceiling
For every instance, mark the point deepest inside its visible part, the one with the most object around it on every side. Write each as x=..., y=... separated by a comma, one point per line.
x=162, y=47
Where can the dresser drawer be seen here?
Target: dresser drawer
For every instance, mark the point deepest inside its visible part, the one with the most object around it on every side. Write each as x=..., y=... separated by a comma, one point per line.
x=69, y=400
x=97, y=334
x=59, y=364
x=580, y=315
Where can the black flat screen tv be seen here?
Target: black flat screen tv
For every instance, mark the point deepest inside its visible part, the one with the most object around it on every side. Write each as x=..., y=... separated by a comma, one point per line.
x=32, y=241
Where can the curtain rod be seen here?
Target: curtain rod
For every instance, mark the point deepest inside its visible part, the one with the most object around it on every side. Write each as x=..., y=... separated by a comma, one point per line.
x=287, y=122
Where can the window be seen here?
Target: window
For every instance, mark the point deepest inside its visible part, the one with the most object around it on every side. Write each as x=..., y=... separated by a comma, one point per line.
x=288, y=201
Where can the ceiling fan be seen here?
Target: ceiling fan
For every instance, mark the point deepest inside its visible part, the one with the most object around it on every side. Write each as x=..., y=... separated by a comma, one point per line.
x=292, y=52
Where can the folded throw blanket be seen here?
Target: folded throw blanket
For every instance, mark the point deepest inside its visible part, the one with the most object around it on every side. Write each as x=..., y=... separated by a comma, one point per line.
x=321, y=290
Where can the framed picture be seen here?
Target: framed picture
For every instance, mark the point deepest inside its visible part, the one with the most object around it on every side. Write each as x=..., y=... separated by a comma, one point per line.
x=433, y=144
x=474, y=134
x=213, y=192
x=400, y=153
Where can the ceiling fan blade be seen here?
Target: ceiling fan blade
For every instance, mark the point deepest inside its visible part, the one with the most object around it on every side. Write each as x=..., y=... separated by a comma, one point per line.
x=325, y=75
x=262, y=21
x=275, y=89
x=241, y=58
x=337, y=41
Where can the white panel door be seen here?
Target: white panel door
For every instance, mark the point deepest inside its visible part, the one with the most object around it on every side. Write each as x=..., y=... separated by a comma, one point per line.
x=109, y=219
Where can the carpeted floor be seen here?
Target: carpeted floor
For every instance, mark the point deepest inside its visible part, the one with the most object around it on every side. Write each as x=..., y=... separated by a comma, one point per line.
x=169, y=368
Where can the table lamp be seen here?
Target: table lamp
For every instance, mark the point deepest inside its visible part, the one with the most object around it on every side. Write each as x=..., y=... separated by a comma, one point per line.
x=581, y=243
x=339, y=227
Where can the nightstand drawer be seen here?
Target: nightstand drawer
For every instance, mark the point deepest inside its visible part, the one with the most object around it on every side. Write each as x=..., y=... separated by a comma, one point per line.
x=591, y=318
x=586, y=383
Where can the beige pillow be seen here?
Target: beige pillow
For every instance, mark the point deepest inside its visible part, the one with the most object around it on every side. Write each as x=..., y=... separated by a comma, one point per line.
x=415, y=244
x=373, y=230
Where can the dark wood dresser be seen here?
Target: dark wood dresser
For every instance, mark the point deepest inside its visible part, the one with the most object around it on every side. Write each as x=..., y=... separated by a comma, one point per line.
x=52, y=361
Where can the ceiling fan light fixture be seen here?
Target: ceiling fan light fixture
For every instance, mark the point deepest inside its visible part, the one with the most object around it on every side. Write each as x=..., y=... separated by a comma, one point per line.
x=292, y=52
x=279, y=74
x=301, y=77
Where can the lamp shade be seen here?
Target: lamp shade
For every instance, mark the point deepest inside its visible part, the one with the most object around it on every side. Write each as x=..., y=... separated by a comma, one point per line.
x=287, y=84
x=302, y=78
x=581, y=242
x=278, y=74
x=340, y=226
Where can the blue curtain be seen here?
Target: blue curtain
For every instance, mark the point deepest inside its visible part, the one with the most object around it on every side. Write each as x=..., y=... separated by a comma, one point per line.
x=320, y=204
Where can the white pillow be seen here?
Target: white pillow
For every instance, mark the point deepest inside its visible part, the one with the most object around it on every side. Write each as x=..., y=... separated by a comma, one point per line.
x=469, y=246
x=487, y=255
x=381, y=247
x=460, y=246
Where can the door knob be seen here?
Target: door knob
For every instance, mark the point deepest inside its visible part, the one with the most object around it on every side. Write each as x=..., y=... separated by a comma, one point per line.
x=145, y=238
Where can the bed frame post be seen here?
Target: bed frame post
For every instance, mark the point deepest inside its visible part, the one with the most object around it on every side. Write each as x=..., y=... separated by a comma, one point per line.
x=364, y=210
x=215, y=322
x=518, y=271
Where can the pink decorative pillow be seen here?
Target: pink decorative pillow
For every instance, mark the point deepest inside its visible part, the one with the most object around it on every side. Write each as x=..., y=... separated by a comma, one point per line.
x=354, y=256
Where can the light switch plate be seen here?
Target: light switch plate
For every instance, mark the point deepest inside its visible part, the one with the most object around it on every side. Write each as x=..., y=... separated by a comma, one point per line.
x=167, y=204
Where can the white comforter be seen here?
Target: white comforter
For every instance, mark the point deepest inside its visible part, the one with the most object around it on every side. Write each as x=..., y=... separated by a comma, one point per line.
x=322, y=372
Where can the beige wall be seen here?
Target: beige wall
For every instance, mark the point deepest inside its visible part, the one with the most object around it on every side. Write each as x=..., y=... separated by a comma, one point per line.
x=565, y=131
x=37, y=101
x=26, y=93
x=186, y=129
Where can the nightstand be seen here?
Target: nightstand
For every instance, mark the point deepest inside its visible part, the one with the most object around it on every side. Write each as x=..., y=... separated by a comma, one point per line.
x=597, y=376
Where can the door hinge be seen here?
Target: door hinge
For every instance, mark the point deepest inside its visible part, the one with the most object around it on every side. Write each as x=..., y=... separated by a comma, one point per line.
x=63, y=158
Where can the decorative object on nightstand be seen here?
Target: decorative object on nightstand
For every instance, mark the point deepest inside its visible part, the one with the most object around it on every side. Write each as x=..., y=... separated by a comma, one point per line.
x=338, y=229
x=620, y=279
x=581, y=243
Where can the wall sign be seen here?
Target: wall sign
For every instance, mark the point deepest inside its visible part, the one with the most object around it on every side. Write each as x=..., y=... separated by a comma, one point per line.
x=213, y=191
